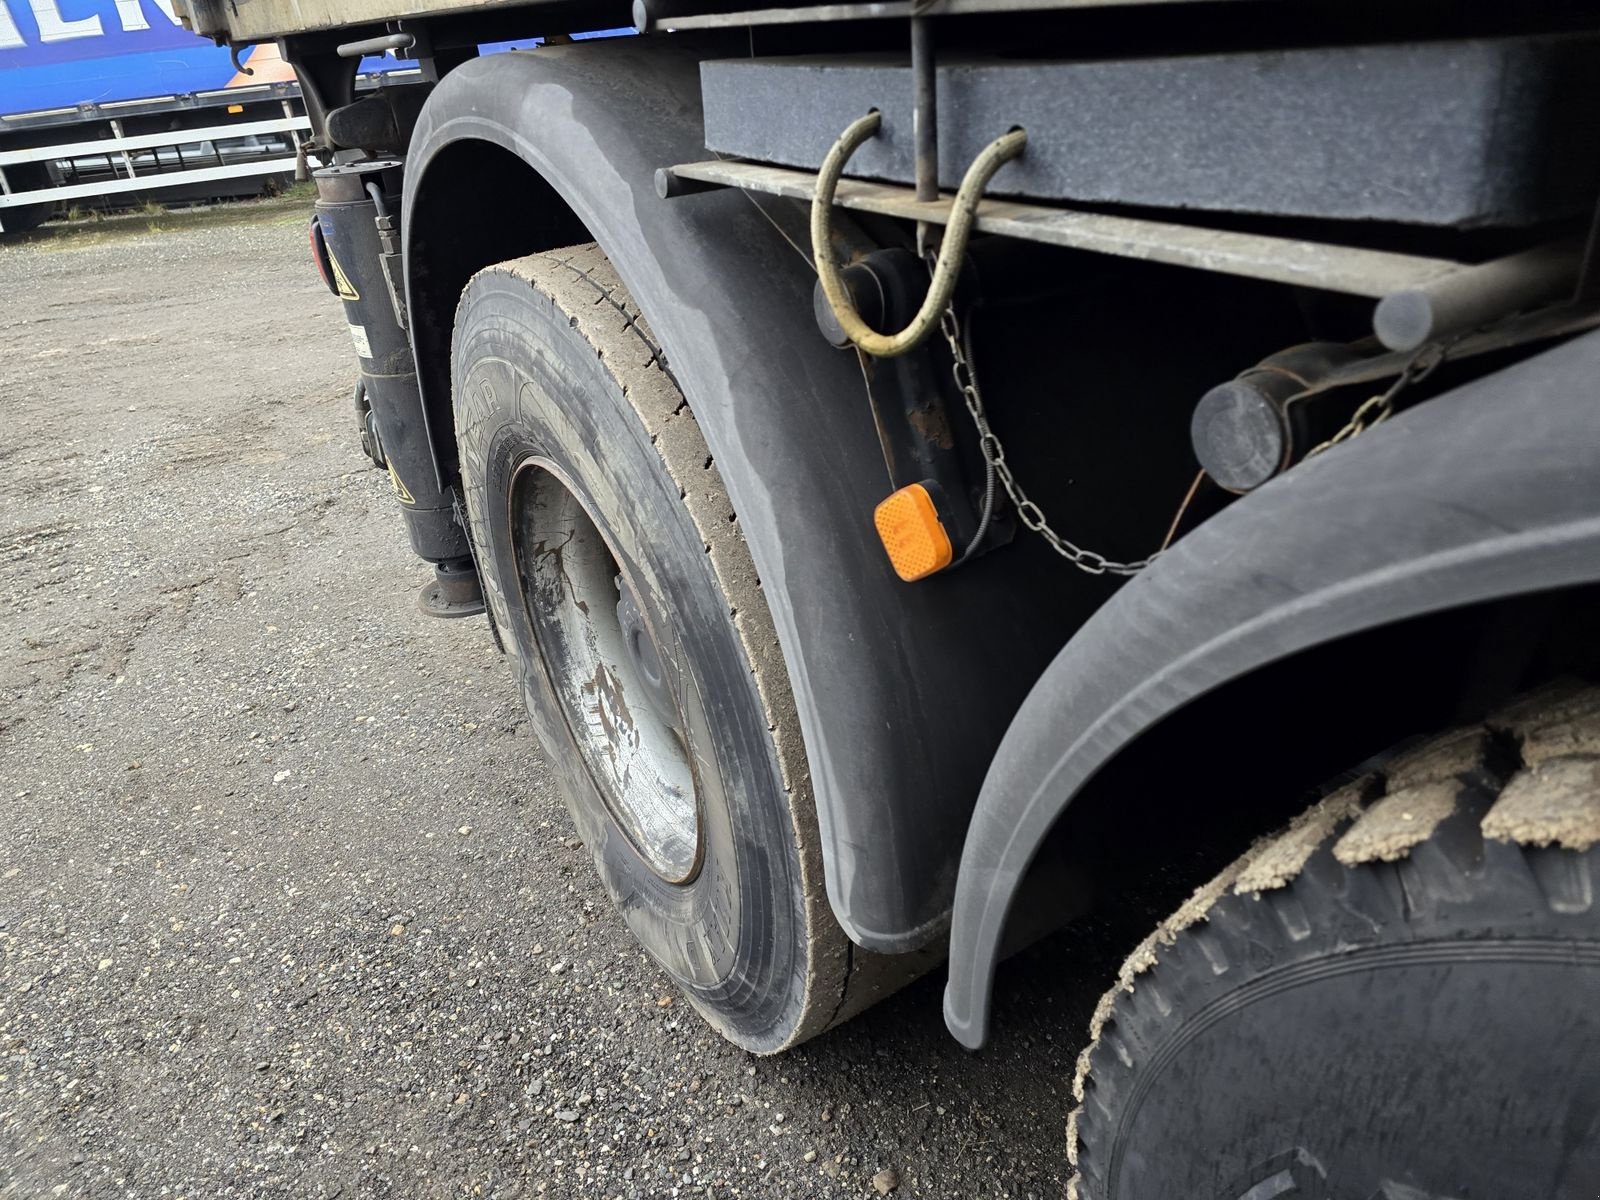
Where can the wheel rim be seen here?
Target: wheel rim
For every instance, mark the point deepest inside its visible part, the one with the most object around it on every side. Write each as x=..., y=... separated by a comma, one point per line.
x=621, y=698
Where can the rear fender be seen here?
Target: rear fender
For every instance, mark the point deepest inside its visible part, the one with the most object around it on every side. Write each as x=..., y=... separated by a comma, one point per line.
x=897, y=696
x=1488, y=491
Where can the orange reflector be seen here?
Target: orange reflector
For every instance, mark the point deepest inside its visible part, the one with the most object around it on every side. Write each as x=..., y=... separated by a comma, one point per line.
x=908, y=523
x=236, y=108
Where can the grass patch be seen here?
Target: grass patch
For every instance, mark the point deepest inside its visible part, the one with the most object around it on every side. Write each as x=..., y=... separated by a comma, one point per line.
x=80, y=229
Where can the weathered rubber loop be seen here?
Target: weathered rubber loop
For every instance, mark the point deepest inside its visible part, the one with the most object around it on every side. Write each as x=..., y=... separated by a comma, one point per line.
x=943, y=285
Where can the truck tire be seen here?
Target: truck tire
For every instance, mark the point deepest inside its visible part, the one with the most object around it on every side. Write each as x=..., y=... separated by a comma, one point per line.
x=24, y=218
x=1397, y=998
x=633, y=619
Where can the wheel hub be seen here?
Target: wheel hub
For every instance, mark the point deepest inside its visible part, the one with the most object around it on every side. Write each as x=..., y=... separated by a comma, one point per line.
x=617, y=692
x=646, y=659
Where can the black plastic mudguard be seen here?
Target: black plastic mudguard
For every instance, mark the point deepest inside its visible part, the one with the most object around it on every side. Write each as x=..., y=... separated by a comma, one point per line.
x=1488, y=491
x=900, y=700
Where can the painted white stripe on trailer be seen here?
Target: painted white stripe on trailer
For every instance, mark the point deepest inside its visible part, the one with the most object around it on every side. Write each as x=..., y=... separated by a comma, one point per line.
x=151, y=183
x=146, y=141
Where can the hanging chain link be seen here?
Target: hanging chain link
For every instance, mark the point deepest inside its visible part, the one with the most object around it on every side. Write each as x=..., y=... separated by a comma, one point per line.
x=1029, y=513
x=1373, y=411
x=1377, y=409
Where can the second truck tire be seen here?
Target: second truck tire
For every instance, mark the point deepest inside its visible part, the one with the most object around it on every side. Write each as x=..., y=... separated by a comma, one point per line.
x=1397, y=998
x=630, y=610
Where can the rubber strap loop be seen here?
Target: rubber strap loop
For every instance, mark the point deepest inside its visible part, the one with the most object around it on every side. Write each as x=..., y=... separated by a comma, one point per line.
x=945, y=272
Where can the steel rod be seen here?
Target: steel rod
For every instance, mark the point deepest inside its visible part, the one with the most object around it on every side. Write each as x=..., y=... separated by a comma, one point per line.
x=925, y=107
x=1477, y=295
x=1355, y=270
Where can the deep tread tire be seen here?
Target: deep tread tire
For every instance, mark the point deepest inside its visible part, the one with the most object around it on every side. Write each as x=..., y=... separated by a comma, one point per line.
x=552, y=360
x=1397, y=998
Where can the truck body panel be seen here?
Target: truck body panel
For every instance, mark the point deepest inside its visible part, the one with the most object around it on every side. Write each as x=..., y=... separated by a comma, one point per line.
x=1439, y=133
x=264, y=19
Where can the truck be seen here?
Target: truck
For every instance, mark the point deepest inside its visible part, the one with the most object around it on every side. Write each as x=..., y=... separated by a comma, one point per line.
x=941, y=469
x=118, y=103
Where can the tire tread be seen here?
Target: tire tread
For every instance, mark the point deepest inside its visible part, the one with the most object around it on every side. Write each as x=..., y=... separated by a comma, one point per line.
x=1349, y=873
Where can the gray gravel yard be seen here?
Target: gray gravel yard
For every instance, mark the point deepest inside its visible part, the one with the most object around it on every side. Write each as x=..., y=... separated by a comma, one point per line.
x=289, y=903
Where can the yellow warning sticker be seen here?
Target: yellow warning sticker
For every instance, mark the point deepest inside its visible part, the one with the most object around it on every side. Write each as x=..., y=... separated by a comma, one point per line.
x=400, y=489
x=347, y=290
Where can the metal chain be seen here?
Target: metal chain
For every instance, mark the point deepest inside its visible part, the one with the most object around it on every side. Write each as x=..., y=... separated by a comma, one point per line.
x=1377, y=409
x=1029, y=513
x=1373, y=411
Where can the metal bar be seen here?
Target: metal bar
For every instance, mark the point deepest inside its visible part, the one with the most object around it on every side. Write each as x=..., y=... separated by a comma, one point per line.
x=46, y=118
x=150, y=183
x=670, y=186
x=1477, y=295
x=925, y=107
x=145, y=141
x=878, y=10
x=1350, y=269
x=1542, y=325
x=377, y=45
x=117, y=143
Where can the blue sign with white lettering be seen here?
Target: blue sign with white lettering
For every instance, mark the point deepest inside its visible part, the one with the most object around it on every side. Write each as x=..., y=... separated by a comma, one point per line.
x=62, y=53
x=58, y=54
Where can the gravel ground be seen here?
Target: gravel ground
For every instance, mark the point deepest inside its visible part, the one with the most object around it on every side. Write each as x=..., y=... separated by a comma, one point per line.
x=289, y=902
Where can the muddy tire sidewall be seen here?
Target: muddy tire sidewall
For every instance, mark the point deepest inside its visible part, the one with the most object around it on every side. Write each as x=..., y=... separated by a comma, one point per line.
x=528, y=386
